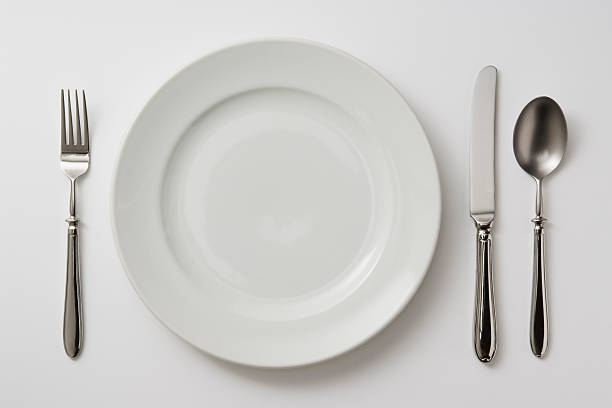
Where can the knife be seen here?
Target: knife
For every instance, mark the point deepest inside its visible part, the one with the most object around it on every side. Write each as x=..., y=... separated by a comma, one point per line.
x=482, y=209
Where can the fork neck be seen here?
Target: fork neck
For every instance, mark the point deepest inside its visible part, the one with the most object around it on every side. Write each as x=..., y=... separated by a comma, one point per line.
x=73, y=199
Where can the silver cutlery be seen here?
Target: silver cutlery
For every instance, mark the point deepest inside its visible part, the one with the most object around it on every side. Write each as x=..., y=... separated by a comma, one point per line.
x=482, y=209
x=74, y=161
x=539, y=142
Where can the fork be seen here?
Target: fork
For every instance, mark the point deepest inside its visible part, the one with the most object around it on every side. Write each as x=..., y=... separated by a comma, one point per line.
x=74, y=161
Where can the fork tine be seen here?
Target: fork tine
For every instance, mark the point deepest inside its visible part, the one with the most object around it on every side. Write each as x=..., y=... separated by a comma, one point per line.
x=63, y=121
x=85, y=123
x=78, y=118
x=70, y=135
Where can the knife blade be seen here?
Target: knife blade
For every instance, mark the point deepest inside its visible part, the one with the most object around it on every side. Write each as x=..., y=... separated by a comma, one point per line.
x=482, y=150
x=482, y=209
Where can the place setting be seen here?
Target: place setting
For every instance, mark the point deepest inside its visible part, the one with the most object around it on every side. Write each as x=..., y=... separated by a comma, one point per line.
x=539, y=143
x=277, y=203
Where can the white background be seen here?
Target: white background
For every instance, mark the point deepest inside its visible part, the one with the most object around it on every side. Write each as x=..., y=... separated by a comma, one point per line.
x=121, y=52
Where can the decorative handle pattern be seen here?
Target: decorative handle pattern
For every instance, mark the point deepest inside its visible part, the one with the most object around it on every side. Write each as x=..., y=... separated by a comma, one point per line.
x=485, y=336
x=73, y=325
x=539, y=310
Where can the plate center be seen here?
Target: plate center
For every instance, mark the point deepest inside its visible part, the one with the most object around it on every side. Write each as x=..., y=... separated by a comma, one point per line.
x=267, y=193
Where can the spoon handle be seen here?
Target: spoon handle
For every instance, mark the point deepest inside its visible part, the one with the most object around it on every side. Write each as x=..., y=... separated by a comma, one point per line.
x=485, y=338
x=539, y=310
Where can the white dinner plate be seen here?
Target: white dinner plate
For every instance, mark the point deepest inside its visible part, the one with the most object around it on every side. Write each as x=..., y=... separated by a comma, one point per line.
x=276, y=203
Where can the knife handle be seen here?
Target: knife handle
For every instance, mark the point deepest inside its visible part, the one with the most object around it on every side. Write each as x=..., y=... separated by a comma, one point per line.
x=485, y=337
x=538, y=332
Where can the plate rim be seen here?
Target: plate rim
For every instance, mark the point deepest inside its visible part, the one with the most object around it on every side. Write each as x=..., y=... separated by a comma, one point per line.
x=435, y=226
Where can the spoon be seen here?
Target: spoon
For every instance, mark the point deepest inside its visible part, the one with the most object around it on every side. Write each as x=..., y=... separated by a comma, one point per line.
x=540, y=138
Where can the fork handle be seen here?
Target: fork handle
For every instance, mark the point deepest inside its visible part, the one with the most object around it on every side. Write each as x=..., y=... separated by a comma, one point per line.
x=73, y=324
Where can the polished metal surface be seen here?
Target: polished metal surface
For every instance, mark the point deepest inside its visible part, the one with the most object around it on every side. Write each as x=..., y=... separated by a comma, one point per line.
x=482, y=209
x=540, y=139
x=482, y=148
x=74, y=161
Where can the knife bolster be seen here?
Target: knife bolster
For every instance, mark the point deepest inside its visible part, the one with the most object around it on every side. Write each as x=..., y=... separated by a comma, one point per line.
x=483, y=221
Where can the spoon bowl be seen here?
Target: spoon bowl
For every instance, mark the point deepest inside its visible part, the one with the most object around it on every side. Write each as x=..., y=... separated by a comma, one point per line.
x=540, y=137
